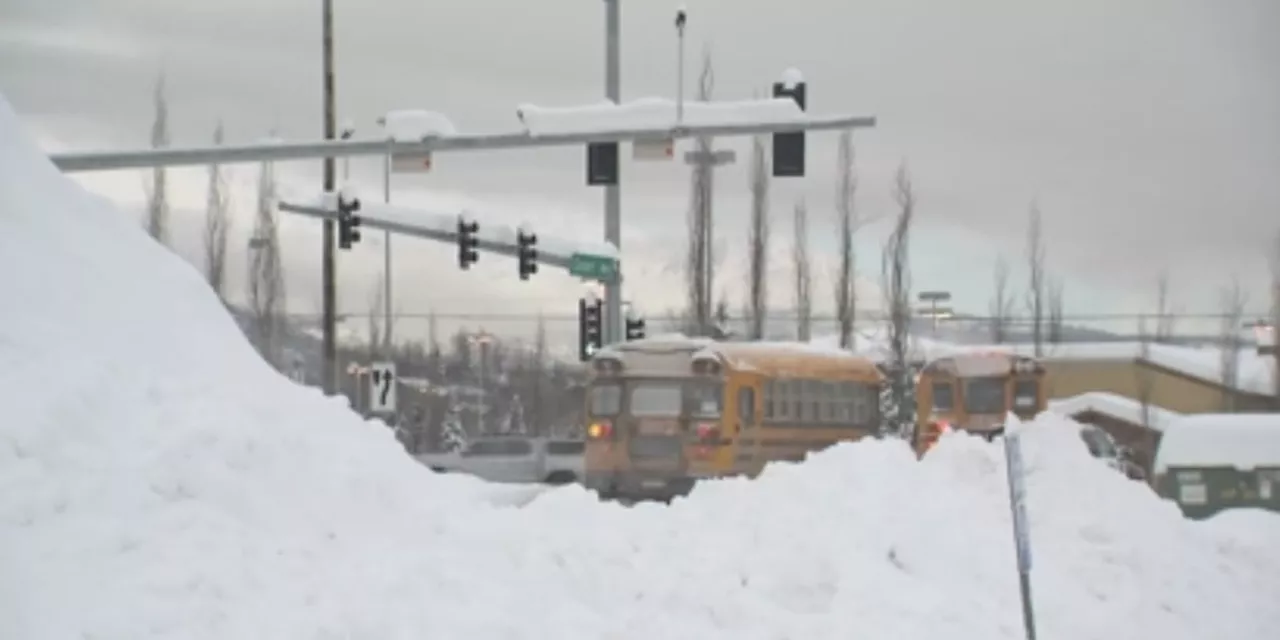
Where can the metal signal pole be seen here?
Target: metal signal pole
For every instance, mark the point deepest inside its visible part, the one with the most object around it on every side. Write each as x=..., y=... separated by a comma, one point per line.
x=328, y=262
x=612, y=193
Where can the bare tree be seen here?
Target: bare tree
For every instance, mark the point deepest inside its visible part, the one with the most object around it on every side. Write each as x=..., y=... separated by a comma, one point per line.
x=538, y=393
x=1145, y=380
x=1036, y=274
x=1275, y=321
x=846, y=280
x=801, y=272
x=376, y=336
x=217, y=224
x=266, y=274
x=758, y=241
x=158, y=193
x=1233, y=300
x=1164, y=314
x=722, y=329
x=895, y=272
x=1001, y=307
x=1056, y=322
x=698, y=264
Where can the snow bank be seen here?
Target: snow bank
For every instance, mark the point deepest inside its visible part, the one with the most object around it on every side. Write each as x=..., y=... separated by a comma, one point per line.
x=157, y=480
x=654, y=113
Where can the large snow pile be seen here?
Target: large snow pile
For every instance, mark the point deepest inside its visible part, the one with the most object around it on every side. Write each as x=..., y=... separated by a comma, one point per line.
x=157, y=480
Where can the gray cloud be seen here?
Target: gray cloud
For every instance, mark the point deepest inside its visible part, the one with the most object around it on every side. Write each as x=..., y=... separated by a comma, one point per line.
x=1149, y=130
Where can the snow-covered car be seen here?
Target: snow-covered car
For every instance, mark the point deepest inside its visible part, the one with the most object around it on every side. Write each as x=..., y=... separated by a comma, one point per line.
x=514, y=459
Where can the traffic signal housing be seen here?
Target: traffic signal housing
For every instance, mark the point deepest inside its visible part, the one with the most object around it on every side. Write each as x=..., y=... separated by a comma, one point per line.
x=590, y=328
x=602, y=164
x=528, y=255
x=789, y=147
x=635, y=328
x=467, y=243
x=348, y=222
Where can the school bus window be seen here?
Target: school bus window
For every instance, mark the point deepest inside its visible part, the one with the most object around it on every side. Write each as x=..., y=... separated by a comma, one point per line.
x=985, y=395
x=1025, y=394
x=656, y=400
x=746, y=405
x=943, y=396
x=704, y=399
x=862, y=405
x=606, y=400
x=768, y=401
x=781, y=401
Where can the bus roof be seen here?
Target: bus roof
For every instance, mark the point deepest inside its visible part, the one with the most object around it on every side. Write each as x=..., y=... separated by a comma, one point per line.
x=778, y=358
x=978, y=363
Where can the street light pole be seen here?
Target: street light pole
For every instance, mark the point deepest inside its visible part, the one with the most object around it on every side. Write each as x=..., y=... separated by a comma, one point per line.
x=386, y=259
x=612, y=193
x=327, y=258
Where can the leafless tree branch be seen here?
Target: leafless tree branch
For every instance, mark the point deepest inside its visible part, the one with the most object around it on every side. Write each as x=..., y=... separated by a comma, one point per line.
x=1001, y=307
x=217, y=224
x=895, y=270
x=1233, y=300
x=1036, y=274
x=846, y=297
x=158, y=194
x=758, y=241
x=801, y=271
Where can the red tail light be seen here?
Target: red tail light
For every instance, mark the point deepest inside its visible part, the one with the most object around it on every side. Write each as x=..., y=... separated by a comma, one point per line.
x=707, y=431
x=600, y=430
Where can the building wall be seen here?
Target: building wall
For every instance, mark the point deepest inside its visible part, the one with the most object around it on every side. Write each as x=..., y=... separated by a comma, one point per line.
x=1169, y=389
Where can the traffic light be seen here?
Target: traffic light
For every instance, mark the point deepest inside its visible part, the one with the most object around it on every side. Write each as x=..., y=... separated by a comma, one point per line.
x=590, y=328
x=602, y=163
x=789, y=148
x=467, y=243
x=635, y=328
x=528, y=254
x=348, y=222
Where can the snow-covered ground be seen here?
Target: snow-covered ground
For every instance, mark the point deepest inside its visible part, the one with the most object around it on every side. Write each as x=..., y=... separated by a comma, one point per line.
x=157, y=480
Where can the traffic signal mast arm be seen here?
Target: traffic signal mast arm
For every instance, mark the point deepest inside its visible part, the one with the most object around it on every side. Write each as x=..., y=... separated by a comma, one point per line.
x=443, y=227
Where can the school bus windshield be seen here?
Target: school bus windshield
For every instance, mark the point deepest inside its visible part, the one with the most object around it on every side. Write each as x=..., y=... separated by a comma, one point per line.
x=985, y=395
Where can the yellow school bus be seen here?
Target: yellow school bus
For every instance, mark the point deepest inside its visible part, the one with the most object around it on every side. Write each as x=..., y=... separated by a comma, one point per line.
x=665, y=412
x=974, y=392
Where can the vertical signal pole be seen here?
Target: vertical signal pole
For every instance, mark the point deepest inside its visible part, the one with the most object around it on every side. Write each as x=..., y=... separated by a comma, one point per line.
x=328, y=265
x=612, y=194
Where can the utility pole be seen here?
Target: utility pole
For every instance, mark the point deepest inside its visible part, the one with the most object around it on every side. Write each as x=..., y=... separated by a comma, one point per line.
x=328, y=262
x=386, y=260
x=612, y=194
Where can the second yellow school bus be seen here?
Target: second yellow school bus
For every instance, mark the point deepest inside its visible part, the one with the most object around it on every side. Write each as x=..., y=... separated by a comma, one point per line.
x=974, y=392
x=665, y=412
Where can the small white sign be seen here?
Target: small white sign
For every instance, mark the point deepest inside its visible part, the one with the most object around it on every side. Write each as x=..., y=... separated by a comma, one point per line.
x=382, y=387
x=660, y=149
x=411, y=163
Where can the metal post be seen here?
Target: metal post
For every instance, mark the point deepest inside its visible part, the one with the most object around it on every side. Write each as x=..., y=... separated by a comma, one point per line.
x=680, y=20
x=386, y=260
x=327, y=258
x=612, y=193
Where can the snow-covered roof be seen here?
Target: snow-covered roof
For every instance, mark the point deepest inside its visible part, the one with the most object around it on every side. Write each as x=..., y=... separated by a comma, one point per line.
x=1116, y=406
x=655, y=113
x=1255, y=372
x=1242, y=440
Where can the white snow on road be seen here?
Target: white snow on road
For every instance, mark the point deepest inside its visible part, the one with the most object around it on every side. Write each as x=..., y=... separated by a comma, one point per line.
x=158, y=480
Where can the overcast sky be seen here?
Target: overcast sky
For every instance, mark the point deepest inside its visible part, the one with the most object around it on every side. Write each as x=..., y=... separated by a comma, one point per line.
x=1147, y=130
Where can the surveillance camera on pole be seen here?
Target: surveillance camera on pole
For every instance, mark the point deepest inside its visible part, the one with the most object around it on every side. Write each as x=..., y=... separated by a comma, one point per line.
x=789, y=148
x=528, y=255
x=681, y=18
x=467, y=243
x=348, y=221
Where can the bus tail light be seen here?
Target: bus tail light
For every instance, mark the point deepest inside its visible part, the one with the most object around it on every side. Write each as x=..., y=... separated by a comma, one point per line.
x=600, y=430
x=708, y=432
